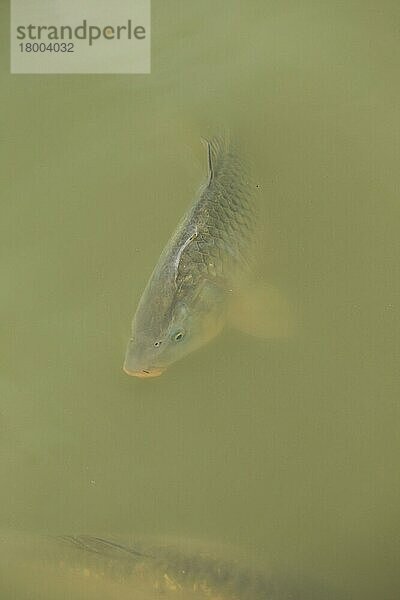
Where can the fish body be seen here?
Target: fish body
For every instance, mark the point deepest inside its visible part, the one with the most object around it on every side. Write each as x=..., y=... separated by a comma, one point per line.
x=87, y=567
x=187, y=298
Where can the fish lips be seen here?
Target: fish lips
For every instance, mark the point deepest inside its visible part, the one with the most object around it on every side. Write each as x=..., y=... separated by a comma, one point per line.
x=144, y=373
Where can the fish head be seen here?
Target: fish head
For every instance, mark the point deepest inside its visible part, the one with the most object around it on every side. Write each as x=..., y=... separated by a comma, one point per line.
x=160, y=339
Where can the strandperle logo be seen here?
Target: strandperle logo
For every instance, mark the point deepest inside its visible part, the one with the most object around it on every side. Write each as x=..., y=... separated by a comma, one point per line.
x=75, y=36
x=85, y=31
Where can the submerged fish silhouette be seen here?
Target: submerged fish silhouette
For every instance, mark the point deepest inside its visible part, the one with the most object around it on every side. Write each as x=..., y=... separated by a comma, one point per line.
x=203, y=277
x=86, y=568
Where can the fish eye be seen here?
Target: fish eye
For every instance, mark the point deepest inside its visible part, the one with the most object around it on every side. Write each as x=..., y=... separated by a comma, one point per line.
x=178, y=335
x=157, y=344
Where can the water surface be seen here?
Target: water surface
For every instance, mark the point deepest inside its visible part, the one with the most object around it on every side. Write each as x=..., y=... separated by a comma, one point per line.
x=287, y=448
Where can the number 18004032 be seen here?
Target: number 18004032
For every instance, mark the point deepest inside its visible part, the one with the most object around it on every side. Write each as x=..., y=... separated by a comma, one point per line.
x=43, y=47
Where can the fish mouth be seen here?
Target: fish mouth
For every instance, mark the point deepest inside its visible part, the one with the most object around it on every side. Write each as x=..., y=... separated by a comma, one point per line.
x=145, y=373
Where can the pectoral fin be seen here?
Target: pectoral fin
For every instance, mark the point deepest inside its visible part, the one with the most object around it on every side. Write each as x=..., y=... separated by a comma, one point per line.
x=261, y=310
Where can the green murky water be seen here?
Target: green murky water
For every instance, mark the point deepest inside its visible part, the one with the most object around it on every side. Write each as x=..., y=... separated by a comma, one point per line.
x=288, y=449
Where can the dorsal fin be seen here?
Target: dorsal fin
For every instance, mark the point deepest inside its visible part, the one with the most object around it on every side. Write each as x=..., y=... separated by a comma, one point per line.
x=210, y=172
x=103, y=547
x=217, y=148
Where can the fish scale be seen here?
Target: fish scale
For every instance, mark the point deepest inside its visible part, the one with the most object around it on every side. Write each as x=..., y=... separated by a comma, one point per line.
x=223, y=210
